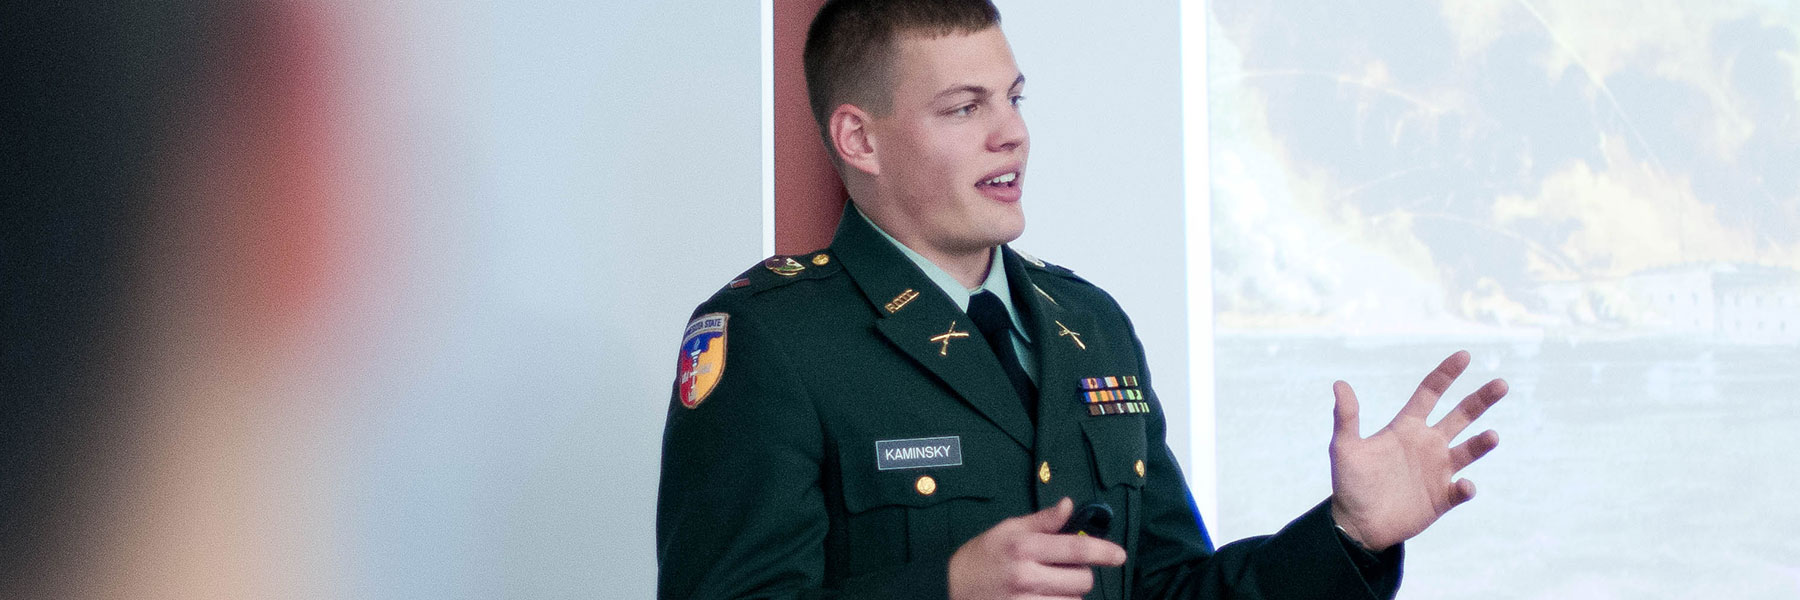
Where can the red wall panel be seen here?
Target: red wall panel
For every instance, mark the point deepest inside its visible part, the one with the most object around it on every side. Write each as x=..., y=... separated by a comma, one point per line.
x=808, y=194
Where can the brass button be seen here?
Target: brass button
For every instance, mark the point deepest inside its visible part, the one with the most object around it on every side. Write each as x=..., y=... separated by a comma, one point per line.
x=926, y=485
x=1140, y=468
x=821, y=260
x=1044, y=472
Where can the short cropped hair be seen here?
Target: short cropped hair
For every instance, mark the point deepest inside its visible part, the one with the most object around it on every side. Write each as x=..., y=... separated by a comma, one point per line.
x=850, y=48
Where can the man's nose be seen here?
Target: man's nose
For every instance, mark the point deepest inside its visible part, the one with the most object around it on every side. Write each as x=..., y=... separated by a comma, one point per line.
x=1009, y=133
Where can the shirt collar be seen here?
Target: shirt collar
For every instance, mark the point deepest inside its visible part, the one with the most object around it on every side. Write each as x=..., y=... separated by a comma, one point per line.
x=995, y=282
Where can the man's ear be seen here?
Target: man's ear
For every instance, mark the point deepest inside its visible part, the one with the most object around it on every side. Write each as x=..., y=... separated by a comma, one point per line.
x=853, y=141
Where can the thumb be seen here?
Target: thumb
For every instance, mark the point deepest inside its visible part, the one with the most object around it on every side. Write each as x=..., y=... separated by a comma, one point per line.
x=1344, y=414
x=1051, y=520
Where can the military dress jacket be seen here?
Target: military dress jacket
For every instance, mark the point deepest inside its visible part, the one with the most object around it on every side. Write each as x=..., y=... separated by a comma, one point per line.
x=832, y=436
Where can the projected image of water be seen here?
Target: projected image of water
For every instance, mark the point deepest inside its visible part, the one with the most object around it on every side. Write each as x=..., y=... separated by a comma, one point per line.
x=1625, y=470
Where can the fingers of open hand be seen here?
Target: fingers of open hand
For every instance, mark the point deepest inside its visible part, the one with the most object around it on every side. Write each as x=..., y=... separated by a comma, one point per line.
x=1344, y=413
x=1472, y=407
x=1473, y=449
x=1426, y=397
x=1461, y=491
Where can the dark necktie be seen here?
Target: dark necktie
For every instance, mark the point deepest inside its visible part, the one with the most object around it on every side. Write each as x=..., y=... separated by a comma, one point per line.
x=991, y=318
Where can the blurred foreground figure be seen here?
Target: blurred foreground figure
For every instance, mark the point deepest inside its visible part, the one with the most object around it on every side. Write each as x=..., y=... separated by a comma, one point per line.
x=168, y=214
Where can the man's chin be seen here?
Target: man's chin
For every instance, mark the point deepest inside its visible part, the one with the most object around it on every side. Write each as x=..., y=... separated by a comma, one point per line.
x=1006, y=235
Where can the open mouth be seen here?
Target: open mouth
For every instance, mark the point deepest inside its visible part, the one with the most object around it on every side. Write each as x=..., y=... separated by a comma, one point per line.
x=1005, y=180
x=1003, y=184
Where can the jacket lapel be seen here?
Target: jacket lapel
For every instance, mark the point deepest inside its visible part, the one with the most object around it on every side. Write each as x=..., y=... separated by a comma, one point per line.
x=917, y=318
x=1064, y=339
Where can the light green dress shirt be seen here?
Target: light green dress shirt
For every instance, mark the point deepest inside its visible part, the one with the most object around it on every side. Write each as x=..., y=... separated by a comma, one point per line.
x=995, y=282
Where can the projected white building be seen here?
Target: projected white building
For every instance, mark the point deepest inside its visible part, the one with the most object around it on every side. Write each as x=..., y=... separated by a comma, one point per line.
x=1734, y=303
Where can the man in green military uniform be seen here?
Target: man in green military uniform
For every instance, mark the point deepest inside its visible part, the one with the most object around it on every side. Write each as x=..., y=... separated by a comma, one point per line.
x=913, y=411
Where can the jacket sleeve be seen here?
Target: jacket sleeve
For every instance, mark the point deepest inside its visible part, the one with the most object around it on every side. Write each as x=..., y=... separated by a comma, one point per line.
x=740, y=511
x=1176, y=559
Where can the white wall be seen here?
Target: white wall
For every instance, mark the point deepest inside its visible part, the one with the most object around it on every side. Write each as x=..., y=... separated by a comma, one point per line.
x=558, y=185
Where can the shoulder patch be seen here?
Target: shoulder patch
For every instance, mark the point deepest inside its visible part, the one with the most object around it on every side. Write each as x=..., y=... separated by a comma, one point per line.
x=702, y=359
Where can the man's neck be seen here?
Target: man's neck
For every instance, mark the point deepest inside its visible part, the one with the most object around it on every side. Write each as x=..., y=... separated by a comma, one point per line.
x=968, y=269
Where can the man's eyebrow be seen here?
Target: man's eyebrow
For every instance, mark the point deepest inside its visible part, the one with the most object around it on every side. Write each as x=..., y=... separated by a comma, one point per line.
x=965, y=88
x=976, y=89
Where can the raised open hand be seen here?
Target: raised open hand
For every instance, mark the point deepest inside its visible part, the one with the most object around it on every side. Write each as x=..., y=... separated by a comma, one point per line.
x=1390, y=486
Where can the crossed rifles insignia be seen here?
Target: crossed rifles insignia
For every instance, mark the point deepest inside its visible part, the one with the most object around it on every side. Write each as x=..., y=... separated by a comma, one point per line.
x=945, y=337
x=1071, y=334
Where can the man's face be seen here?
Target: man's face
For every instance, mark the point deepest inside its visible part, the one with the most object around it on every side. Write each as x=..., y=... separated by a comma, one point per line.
x=952, y=150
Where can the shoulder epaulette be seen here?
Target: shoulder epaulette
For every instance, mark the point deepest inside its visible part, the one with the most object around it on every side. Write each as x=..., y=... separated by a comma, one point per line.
x=780, y=270
x=1033, y=262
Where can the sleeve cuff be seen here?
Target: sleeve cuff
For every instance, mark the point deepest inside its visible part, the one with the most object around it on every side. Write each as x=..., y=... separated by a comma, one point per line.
x=1380, y=570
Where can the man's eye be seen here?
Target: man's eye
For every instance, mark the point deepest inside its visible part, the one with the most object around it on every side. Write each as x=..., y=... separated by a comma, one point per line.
x=1017, y=99
x=964, y=110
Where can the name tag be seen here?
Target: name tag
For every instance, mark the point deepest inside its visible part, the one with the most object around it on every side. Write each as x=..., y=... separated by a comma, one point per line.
x=918, y=453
